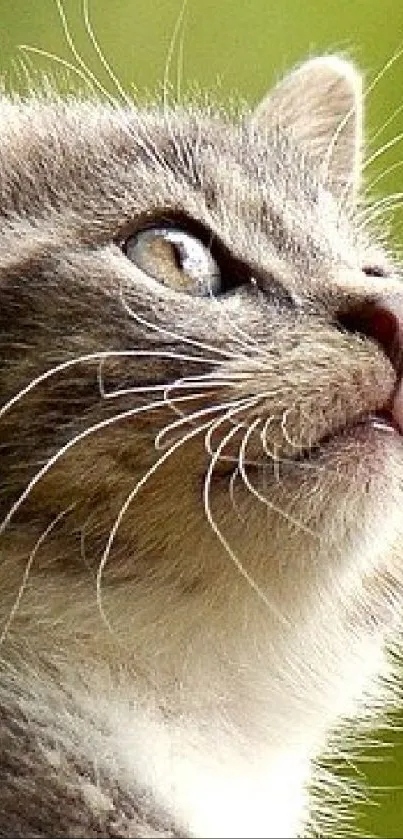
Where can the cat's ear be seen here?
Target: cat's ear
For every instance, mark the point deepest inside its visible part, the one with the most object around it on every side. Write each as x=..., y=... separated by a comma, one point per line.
x=321, y=104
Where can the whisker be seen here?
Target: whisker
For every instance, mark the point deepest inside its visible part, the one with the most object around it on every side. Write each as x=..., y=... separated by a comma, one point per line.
x=381, y=202
x=385, y=125
x=371, y=213
x=242, y=469
x=386, y=146
x=87, y=432
x=282, y=459
x=26, y=64
x=180, y=384
x=125, y=506
x=144, y=140
x=284, y=431
x=27, y=571
x=326, y=162
x=27, y=48
x=382, y=72
x=216, y=530
x=384, y=174
x=176, y=335
x=234, y=407
x=387, y=201
x=204, y=380
x=264, y=437
x=78, y=58
x=245, y=341
x=170, y=53
x=229, y=384
x=325, y=165
x=44, y=376
x=380, y=217
x=107, y=67
x=183, y=385
x=271, y=453
x=65, y=365
x=180, y=62
x=186, y=417
x=245, y=404
x=173, y=426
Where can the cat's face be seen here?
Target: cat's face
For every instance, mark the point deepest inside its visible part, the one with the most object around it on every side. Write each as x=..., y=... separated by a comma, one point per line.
x=201, y=333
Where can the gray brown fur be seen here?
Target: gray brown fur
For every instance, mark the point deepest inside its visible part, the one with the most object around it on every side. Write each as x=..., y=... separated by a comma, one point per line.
x=189, y=644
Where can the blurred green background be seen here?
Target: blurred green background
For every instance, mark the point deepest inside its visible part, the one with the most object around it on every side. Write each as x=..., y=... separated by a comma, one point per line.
x=230, y=46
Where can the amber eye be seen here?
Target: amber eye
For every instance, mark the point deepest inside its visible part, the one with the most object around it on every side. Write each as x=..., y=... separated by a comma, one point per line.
x=176, y=259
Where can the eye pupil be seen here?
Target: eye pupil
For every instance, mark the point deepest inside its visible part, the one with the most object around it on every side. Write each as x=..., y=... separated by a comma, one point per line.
x=178, y=254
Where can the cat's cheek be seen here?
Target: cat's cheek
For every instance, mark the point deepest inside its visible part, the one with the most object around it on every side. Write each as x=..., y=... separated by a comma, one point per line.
x=347, y=496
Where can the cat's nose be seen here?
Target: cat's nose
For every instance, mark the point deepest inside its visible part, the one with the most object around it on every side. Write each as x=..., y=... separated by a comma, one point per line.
x=381, y=320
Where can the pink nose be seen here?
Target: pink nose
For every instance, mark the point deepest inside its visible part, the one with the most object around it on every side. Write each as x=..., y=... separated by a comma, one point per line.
x=381, y=321
x=393, y=310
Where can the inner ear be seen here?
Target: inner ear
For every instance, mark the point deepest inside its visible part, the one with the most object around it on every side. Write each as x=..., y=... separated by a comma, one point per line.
x=321, y=105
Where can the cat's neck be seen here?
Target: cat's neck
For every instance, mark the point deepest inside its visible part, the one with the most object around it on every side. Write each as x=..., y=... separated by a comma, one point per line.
x=236, y=737
x=216, y=786
x=210, y=766
x=214, y=709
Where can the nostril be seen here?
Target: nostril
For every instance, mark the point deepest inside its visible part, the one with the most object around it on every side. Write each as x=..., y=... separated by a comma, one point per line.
x=378, y=321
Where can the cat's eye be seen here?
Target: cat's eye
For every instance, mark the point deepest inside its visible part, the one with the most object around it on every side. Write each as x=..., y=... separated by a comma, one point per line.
x=175, y=258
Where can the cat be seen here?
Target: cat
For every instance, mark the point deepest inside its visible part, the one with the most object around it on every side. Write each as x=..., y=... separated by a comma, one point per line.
x=201, y=459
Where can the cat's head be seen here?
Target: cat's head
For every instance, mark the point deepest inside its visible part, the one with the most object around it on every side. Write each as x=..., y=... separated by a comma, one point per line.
x=200, y=356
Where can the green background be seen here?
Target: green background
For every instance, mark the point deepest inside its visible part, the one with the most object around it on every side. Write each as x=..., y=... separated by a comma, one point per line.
x=230, y=46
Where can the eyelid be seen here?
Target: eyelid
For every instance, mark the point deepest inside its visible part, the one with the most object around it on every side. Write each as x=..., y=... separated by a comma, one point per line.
x=166, y=218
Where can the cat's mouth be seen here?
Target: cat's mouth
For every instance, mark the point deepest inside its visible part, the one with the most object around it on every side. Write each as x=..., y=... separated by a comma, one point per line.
x=387, y=420
x=382, y=421
x=367, y=430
